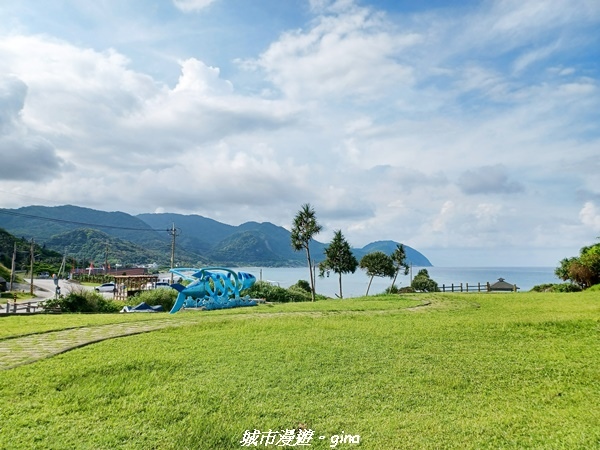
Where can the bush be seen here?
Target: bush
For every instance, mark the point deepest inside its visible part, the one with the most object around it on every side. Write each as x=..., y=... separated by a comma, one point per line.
x=83, y=301
x=163, y=296
x=546, y=287
x=550, y=287
x=566, y=287
x=423, y=283
x=399, y=290
x=271, y=293
x=302, y=284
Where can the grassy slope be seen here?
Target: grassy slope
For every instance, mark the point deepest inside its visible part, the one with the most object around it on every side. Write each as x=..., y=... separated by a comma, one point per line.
x=468, y=371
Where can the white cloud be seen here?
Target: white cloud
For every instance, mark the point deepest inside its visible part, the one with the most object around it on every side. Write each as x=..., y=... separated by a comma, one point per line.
x=590, y=216
x=200, y=78
x=24, y=155
x=488, y=180
x=192, y=5
x=349, y=54
x=415, y=127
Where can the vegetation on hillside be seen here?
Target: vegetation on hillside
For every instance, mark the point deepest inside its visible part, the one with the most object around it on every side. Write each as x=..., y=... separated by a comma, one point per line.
x=45, y=259
x=199, y=242
x=583, y=270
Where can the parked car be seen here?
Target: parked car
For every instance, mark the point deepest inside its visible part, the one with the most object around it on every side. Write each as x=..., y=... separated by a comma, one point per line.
x=162, y=284
x=106, y=287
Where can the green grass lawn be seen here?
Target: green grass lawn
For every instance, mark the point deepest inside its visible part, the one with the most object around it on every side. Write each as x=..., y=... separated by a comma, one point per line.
x=467, y=371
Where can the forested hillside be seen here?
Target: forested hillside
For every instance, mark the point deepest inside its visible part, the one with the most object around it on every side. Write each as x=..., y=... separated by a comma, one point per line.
x=88, y=235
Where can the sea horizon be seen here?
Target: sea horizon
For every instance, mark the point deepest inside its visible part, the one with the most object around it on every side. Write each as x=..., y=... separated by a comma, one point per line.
x=355, y=285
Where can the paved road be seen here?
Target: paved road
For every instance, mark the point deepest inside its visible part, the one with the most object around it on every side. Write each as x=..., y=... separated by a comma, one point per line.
x=44, y=289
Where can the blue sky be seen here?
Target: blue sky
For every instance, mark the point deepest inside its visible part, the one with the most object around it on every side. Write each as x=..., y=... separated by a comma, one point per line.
x=468, y=132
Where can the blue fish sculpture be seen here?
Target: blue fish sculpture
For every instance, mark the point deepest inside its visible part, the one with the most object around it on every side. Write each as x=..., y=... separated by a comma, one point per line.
x=212, y=288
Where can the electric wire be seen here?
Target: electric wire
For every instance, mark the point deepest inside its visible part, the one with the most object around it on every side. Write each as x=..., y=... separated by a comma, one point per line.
x=73, y=222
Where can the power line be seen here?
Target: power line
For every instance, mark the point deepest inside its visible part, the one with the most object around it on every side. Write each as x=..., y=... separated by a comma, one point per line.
x=51, y=219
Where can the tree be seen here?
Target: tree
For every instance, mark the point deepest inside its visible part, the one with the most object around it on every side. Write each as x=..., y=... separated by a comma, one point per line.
x=423, y=283
x=339, y=258
x=399, y=261
x=377, y=264
x=304, y=228
x=583, y=270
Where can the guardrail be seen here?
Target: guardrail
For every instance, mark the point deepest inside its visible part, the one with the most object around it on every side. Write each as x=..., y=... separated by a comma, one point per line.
x=20, y=308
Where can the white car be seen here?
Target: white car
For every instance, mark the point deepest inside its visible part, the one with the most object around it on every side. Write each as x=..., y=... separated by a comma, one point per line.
x=106, y=287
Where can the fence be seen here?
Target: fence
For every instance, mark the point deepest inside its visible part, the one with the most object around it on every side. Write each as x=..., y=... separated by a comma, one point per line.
x=15, y=308
x=480, y=287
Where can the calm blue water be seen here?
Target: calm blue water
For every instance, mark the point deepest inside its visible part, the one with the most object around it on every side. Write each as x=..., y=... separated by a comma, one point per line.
x=355, y=285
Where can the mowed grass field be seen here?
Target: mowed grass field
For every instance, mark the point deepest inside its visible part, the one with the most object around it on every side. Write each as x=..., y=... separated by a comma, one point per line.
x=431, y=371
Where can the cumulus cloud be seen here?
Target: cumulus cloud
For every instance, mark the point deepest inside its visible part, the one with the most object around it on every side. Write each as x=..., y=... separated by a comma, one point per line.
x=198, y=77
x=590, y=216
x=351, y=53
x=488, y=180
x=419, y=127
x=24, y=155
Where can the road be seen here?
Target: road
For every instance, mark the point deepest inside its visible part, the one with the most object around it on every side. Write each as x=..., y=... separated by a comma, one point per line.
x=44, y=289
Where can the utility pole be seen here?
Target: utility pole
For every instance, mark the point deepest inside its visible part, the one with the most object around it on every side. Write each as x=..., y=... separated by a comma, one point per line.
x=106, y=258
x=12, y=267
x=174, y=232
x=31, y=268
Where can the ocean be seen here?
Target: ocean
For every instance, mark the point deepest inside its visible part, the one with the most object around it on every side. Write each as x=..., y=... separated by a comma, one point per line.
x=355, y=285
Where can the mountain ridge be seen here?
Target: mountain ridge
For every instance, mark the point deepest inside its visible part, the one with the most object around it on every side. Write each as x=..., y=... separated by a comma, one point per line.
x=199, y=241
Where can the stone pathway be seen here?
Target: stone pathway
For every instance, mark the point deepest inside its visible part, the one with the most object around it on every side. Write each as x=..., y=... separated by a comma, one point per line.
x=22, y=350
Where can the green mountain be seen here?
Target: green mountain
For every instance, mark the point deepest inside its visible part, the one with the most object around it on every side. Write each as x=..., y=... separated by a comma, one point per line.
x=86, y=244
x=413, y=256
x=42, y=222
x=45, y=259
x=200, y=241
x=196, y=233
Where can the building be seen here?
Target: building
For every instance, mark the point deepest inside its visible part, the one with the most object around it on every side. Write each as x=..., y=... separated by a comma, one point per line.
x=502, y=286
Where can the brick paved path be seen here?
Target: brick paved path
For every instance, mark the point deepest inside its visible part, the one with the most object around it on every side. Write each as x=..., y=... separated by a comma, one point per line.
x=33, y=347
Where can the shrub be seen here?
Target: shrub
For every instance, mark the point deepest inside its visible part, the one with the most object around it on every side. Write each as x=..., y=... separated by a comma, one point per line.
x=271, y=293
x=423, y=283
x=163, y=296
x=550, y=287
x=398, y=290
x=299, y=294
x=83, y=301
x=566, y=287
x=302, y=284
x=546, y=287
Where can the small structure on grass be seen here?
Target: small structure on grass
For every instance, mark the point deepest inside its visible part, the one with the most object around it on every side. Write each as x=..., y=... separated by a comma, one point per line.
x=502, y=286
x=129, y=285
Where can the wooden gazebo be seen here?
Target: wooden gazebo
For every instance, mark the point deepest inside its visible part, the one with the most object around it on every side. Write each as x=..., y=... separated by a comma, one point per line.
x=502, y=286
x=129, y=285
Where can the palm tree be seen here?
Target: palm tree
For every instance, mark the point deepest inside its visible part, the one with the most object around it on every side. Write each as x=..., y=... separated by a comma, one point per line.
x=304, y=228
x=399, y=259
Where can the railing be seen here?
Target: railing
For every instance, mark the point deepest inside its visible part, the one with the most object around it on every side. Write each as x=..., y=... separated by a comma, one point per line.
x=14, y=308
x=466, y=288
x=480, y=287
